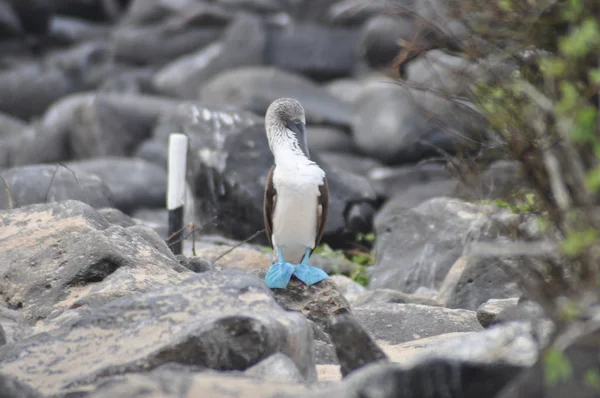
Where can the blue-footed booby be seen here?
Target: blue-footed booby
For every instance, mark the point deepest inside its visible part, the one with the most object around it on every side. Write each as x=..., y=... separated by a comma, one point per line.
x=296, y=197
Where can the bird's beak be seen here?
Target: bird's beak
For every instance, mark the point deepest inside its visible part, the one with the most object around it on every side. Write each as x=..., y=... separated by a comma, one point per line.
x=300, y=130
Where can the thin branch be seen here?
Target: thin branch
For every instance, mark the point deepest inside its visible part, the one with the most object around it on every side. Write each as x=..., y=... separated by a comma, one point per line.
x=254, y=235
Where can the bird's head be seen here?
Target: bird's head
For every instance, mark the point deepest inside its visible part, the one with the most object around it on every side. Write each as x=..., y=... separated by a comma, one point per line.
x=285, y=123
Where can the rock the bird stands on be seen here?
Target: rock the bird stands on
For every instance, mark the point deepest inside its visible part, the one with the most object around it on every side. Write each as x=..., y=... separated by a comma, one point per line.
x=178, y=145
x=296, y=197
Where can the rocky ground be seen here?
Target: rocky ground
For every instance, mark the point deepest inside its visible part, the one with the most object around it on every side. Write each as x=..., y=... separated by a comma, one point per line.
x=95, y=304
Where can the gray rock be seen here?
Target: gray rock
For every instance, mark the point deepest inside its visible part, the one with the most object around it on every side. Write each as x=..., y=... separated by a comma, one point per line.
x=65, y=30
x=380, y=36
x=472, y=281
x=26, y=185
x=580, y=354
x=10, y=24
x=355, y=12
x=276, y=367
x=349, y=289
x=410, y=186
x=220, y=320
x=10, y=126
x=2, y=336
x=391, y=124
x=184, y=76
x=437, y=378
x=254, y=88
x=54, y=251
x=354, y=346
x=153, y=151
x=488, y=312
x=128, y=80
x=195, y=264
x=331, y=139
x=225, y=186
x=383, y=296
x=14, y=325
x=345, y=89
x=144, y=12
x=134, y=183
x=319, y=302
x=325, y=353
x=160, y=43
x=34, y=15
x=356, y=164
x=313, y=50
x=96, y=10
x=117, y=217
x=398, y=323
x=30, y=88
x=12, y=387
x=417, y=247
x=180, y=382
x=113, y=124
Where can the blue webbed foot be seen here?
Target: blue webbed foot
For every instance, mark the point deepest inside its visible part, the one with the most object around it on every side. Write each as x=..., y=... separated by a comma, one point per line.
x=307, y=273
x=279, y=275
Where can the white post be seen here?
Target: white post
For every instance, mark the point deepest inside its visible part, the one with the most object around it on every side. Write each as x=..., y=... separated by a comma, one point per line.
x=178, y=144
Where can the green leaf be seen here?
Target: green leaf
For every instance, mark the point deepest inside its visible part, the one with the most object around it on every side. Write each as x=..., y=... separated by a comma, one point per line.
x=572, y=10
x=569, y=97
x=581, y=40
x=553, y=66
x=575, y=241
x=556, y=367
x=592, y=379
x=593, y=179
x=585, y=125
x=595, y=76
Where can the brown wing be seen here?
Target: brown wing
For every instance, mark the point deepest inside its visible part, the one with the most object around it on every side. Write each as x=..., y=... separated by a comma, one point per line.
x=269, y=204
x=324, y=203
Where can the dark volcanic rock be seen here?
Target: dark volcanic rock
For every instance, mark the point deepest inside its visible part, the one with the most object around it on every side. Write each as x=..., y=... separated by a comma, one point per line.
x=472, y=281
x=114, y=124
x=30, y=88
x=417, y=247
x=398, y=323
x=34, y=15
x=414, y=184
x=219, y=320
x=65, y=254
x=11, y=387
x=243, y=43
x=254, y=88
x=397, y=124
x=180, y=382
x=68, y=30
x=581, y=358
x=14, y=325
x=10, y=126
x=319, y=302
x=313, y=50
x=26, y=185
x=10, y=24
x=134, y=183
x=431, y=379
x=383, y=296
x=329, y=138
x=160, y=43
x=95, y=10
x=353, y=345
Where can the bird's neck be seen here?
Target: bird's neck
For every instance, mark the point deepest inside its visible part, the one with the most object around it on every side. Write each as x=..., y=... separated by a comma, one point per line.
x=287, y=155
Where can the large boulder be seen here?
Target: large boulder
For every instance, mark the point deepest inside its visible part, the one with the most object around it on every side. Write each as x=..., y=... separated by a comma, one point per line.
x=418, y=246
x=243, y=43
x=31, y=87
x=313, y=50
x=218, y=320
x=26, y=185
x=133, y=183
x=254, y=88
x=65, y=255
x=398, y=323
